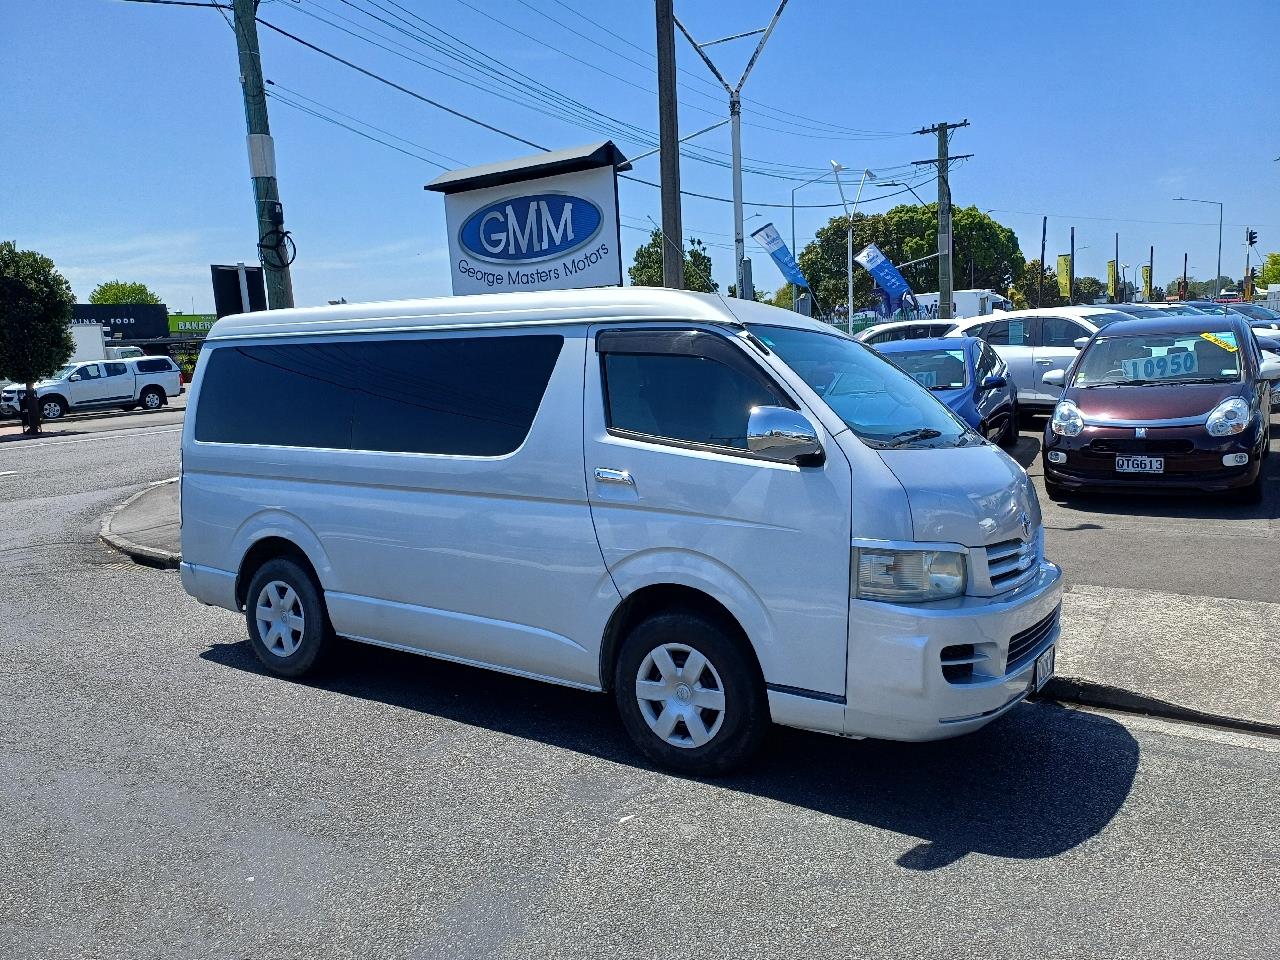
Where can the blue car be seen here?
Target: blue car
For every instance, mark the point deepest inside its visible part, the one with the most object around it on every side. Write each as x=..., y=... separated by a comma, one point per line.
x=968, y=376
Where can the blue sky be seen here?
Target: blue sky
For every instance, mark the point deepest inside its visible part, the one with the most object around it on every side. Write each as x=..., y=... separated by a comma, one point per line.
x=125, y=156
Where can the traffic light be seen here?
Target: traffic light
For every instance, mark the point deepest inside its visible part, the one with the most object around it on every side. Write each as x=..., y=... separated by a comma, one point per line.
x=1251, y=237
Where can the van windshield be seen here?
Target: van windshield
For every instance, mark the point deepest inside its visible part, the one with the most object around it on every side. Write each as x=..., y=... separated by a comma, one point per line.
x=883, y=406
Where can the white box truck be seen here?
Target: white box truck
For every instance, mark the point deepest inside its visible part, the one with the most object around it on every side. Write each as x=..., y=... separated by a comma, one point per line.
x=965, y=303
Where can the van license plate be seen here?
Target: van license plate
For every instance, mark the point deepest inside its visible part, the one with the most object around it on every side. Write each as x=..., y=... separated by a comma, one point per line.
x=1139, y=464
x=1043, y=670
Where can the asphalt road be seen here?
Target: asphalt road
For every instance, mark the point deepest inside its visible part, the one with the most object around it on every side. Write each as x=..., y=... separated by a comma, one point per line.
x=161, y=797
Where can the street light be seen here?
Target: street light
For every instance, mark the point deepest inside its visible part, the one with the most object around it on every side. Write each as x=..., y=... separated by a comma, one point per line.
x=795, y=295
x=866, y=175
x=1217, y=280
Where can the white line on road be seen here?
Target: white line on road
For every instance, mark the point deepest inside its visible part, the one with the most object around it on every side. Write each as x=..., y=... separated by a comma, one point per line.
x=7, y=473
x=114, y=435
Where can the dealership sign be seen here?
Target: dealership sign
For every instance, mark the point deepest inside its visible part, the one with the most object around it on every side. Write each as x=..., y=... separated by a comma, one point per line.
x=514, y=228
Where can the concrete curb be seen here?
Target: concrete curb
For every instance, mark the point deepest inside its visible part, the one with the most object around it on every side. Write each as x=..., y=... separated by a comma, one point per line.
x=148, y=556
x=1090, y=694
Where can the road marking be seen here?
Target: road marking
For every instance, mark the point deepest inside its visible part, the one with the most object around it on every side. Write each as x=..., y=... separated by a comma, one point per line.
x=113, y=435
x=7, y=473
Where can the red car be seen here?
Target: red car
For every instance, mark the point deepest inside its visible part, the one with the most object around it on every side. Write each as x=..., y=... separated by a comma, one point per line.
x=1162, y=405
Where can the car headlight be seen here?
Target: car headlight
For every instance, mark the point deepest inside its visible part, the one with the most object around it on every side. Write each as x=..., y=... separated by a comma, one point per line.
x=1067, y=421
x=1229, y=417
x=907, y=576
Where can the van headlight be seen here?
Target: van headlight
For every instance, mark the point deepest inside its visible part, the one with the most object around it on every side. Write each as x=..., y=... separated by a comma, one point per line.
x=1067, y=421
x=1229, y=417
x=907, y=576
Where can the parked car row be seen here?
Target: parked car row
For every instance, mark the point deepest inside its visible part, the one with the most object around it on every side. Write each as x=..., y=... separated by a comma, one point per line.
x=146, y=382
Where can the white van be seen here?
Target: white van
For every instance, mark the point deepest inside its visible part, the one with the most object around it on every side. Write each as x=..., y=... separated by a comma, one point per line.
x=720, y=512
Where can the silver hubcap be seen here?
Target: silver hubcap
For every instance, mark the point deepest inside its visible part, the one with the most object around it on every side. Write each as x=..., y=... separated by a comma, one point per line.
x=52, y=411
x=680, y=695
x=280, y=618
x=151, y=401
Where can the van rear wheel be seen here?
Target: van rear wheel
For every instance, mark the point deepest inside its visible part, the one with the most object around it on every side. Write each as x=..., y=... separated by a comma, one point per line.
x=289, y=627
x=689, y=697
x=152, y=398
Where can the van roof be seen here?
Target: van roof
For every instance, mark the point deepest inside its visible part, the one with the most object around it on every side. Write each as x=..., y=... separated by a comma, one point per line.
x=599, y=304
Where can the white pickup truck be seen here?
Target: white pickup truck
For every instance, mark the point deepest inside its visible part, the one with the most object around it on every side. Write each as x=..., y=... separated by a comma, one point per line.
x=146, y=382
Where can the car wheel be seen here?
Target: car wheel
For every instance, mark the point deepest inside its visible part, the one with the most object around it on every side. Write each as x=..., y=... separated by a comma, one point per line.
x=1009, y=438
x=289, y=627
x=690, y=697
x=152, y=398
x=53, y=408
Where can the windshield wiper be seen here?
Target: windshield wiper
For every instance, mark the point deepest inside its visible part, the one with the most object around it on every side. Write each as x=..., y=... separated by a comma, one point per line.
x=906, y=436
x=1203, y=380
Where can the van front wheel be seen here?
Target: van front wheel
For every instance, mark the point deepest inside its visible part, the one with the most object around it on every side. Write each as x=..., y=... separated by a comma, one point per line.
x=289, y=627
x=688, y=695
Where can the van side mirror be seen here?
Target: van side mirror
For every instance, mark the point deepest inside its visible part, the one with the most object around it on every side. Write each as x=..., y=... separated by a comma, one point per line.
x=783, y=436
x=1269, y=369
x=1055, y=378
x=1079, y=342
x=74, y=377
x=995, y=382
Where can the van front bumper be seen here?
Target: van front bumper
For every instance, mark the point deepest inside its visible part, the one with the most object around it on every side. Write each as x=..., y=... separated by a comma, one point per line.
x=897, y=689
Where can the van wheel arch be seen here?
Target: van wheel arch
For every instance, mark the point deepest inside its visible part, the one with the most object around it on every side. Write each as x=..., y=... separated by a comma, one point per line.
x=666, y=598
x=269, y=548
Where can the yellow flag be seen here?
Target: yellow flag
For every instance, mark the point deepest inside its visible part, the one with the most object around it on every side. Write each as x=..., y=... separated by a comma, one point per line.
x=1064, y=274
x=1146, y=281
x=1111, y=279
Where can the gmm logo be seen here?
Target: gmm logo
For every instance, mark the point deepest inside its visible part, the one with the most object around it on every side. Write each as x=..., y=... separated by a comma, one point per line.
x=528, y=229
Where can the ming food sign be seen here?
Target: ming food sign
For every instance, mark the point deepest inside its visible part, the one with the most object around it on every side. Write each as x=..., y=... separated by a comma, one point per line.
x=510, y=231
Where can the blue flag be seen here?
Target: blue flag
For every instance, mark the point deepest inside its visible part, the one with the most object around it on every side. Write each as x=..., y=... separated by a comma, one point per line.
x=769, y=238
x=892, y=284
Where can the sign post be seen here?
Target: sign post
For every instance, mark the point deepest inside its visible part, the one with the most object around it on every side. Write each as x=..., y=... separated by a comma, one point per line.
x=545, y=222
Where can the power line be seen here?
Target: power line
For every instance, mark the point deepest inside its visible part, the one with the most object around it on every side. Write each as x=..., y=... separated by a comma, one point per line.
x=404, y=90
x=280, y=98
x=1167, y=223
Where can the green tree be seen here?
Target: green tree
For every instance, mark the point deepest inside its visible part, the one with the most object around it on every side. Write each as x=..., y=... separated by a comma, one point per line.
x=35, y=315
x=646, y=269
x=1026, y=289
x=1269, y=271
x=1088, y=290
x=905, y=233
x=120, y=291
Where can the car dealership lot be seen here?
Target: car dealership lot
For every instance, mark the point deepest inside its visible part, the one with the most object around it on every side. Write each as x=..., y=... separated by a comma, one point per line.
x=163, y=797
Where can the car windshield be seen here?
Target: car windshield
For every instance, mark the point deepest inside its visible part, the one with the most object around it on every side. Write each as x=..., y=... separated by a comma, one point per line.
x=934, y=368
x=1104, y=317
x=1212, y=356
x=883, y=406
x=1254, y=312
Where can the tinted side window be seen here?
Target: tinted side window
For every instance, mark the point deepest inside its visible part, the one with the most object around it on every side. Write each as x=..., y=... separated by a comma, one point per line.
x=470, y=396
x=115, y=369
x=89, y=372
x=1008, y=333
x=295, y=395
x=467, y=396
x=154, y=366
x=1060, y=332
x=682, y=397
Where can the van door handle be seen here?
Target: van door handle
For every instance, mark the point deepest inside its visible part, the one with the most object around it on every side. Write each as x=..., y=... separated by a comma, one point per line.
x=1044, y=363
x=605, y=475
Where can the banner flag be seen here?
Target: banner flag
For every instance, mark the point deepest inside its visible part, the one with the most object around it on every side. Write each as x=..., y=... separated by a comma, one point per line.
x=1064, y=274
x=1111, y=279
x=769, y=238
x=886, y=277
x=1146, y=281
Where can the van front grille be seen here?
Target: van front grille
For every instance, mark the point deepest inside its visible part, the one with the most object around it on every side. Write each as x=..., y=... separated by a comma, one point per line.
x=1009, y=562
x=1022, y=645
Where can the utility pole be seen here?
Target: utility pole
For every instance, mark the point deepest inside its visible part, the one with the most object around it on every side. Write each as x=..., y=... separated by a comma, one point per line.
x=669, y=149
x=1044, y=232
x=1151, y=269
x=262, y=161
x=742, y=277
x=943, y=130
x=1120, y=289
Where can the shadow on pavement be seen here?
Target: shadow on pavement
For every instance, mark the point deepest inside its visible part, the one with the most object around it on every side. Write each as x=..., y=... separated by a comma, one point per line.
x=1035, y=784
x=1026, y=451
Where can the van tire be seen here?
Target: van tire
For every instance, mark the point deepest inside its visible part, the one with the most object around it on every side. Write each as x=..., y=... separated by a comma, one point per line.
x=297, y=638
x=52, y=407
x=736, y=729
x=152, y=398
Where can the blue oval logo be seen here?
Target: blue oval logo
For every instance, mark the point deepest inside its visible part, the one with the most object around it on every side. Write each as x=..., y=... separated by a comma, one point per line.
x=528, y=229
